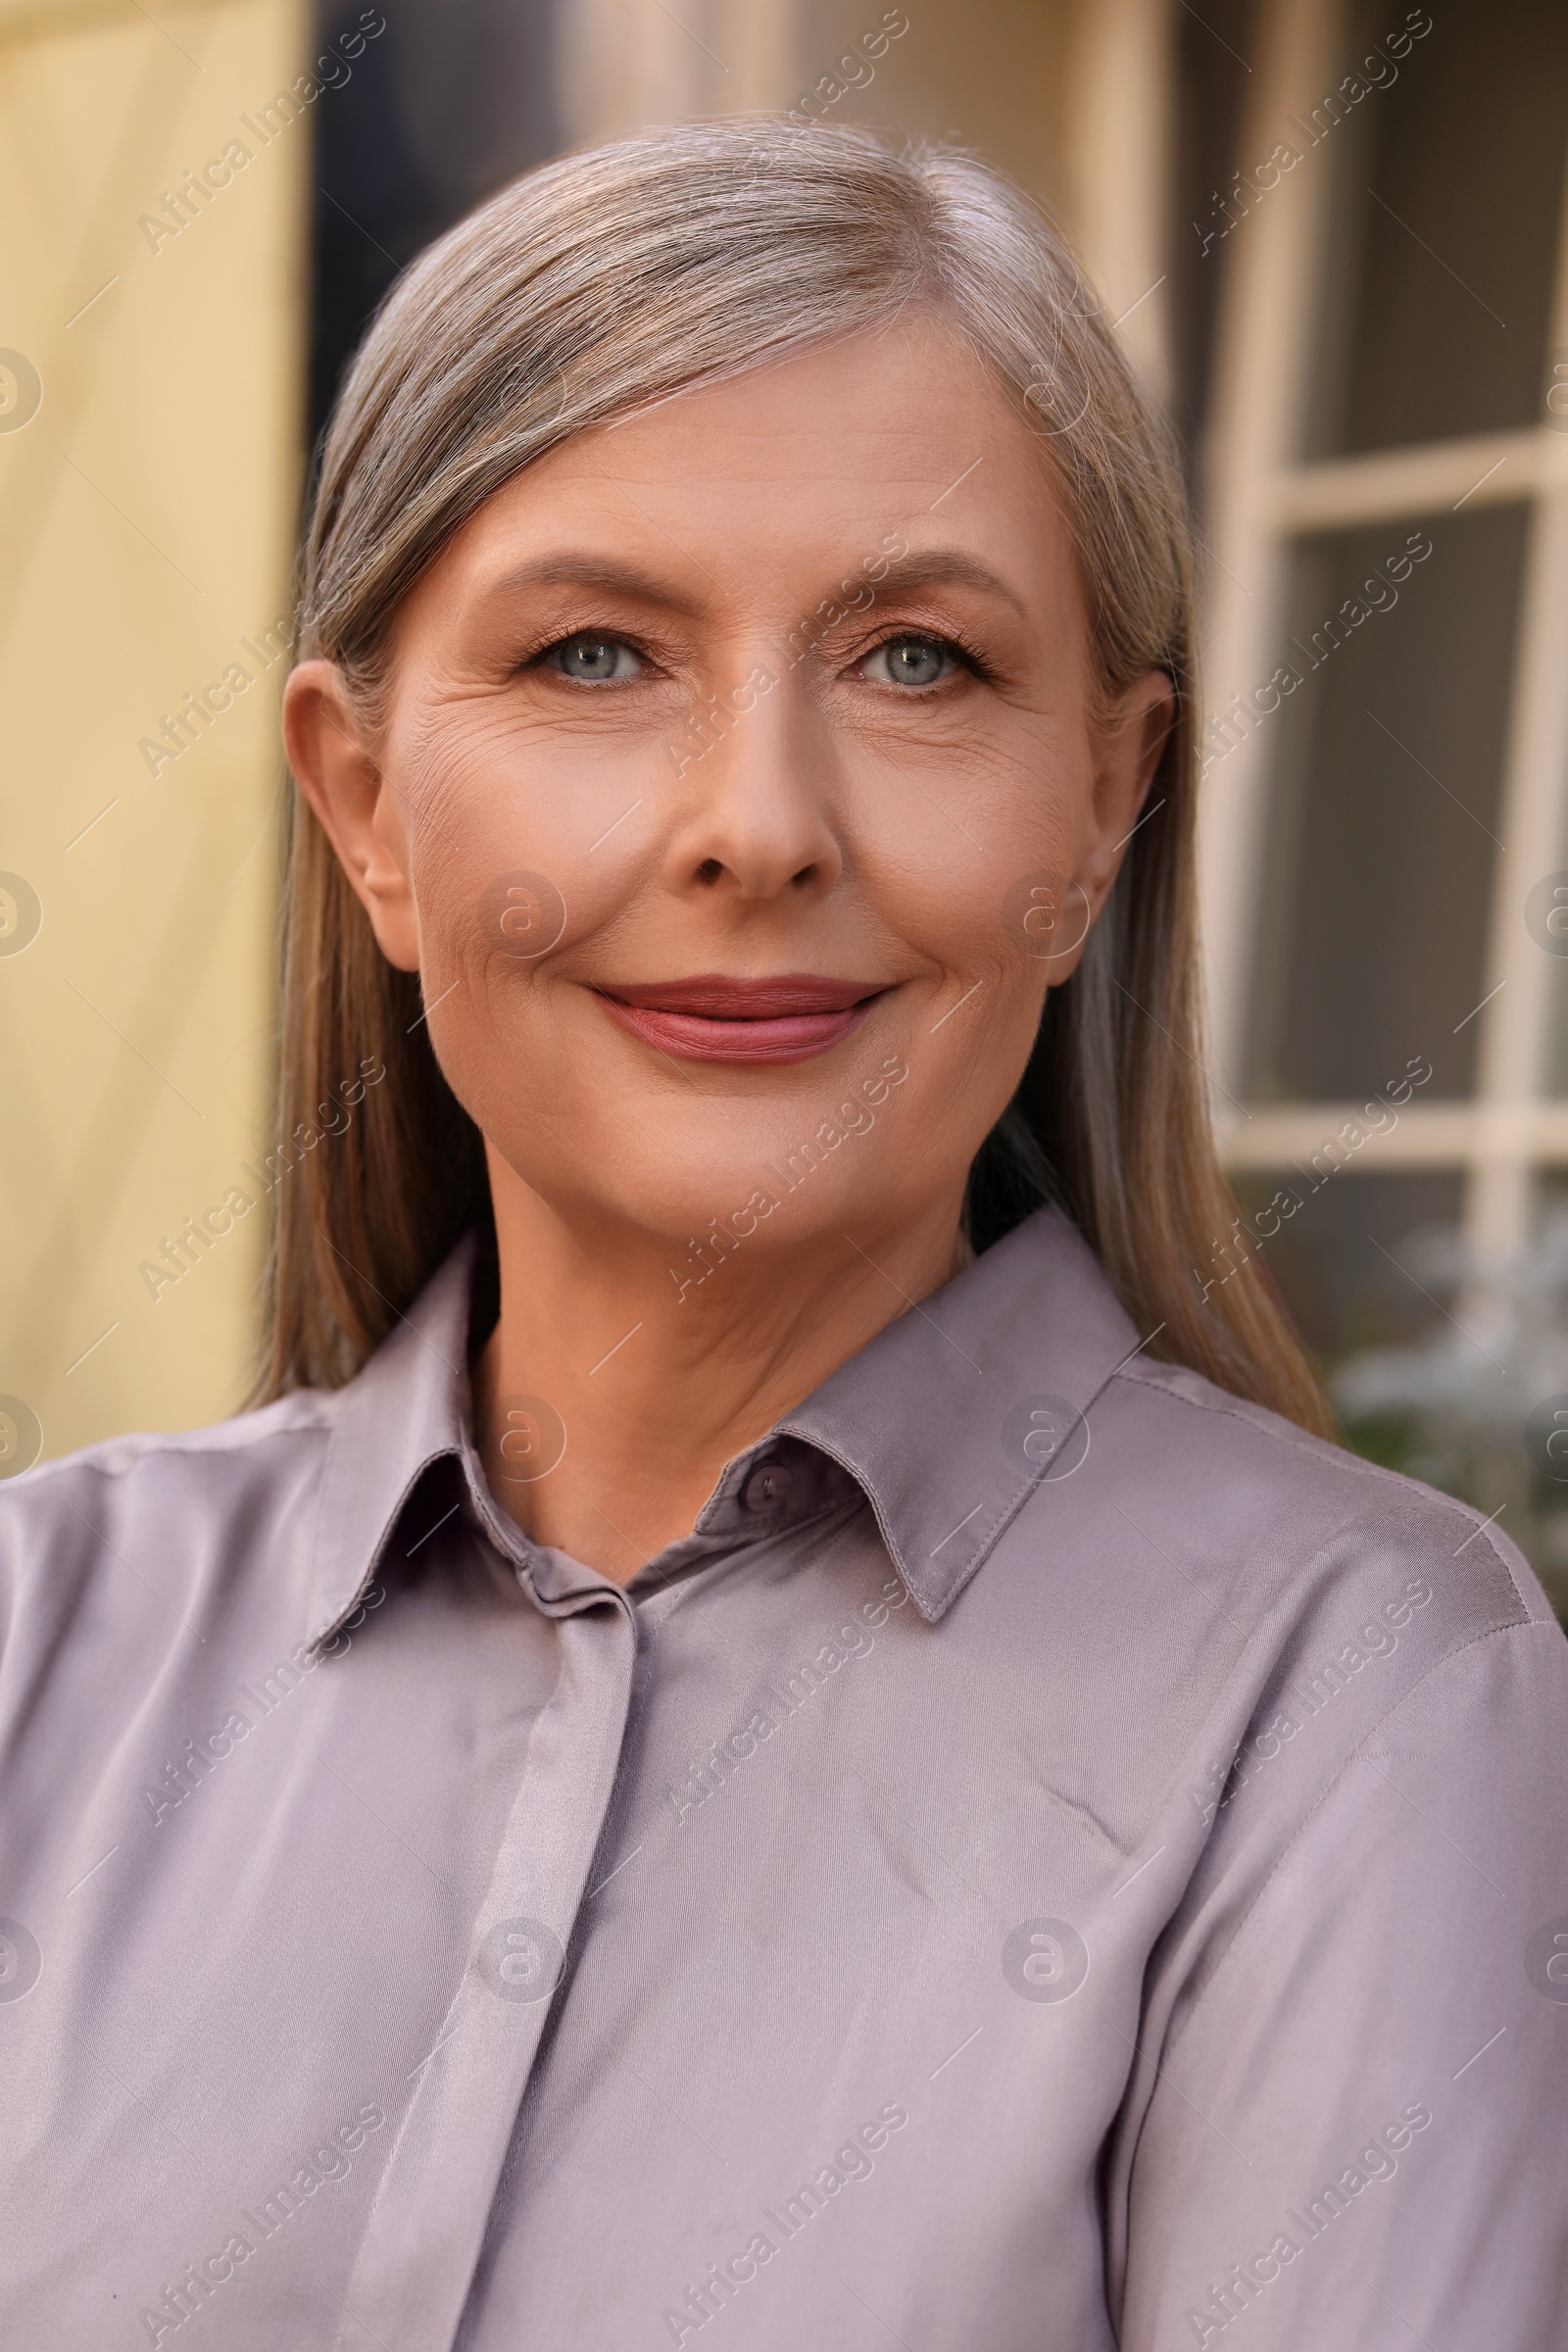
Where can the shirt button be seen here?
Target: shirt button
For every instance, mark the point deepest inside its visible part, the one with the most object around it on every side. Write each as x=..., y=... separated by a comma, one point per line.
x=768, y=1486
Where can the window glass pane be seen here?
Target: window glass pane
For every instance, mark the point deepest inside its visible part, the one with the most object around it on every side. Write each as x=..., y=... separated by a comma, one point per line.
x=1385, y=769
x=1210, y=80
x=1446, y=200
x=1341, y=1258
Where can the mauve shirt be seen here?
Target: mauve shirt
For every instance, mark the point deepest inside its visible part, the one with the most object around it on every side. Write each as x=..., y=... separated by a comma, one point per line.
x=1057, y=1859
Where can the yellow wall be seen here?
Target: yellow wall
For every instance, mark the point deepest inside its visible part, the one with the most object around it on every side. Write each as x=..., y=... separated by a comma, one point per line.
x=146, y=513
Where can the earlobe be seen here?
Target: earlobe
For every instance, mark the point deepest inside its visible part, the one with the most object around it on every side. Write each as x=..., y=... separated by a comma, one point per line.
x=349, y=797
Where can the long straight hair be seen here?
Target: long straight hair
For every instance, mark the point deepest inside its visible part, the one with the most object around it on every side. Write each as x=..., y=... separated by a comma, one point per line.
x=586, y=290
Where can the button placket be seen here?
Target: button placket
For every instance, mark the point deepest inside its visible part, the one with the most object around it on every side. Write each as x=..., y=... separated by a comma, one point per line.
x=416, y=2263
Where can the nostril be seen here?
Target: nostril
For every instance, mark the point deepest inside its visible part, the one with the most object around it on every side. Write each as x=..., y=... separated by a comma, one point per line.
x=710, y=870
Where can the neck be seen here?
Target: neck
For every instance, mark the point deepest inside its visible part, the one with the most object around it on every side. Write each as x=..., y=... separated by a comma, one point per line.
x=655, y=1387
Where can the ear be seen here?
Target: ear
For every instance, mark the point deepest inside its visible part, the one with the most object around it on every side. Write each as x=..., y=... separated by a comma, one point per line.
x=359, y=813
x=1125, y=750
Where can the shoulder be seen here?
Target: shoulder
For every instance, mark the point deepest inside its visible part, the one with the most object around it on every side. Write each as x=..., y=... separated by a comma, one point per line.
x=170, y=1507
x=250, y=1444
x=1289, y=1512
x=1199, y=1572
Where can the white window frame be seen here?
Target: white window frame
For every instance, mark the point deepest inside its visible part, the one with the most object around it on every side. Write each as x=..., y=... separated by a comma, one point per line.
x=1261, y=498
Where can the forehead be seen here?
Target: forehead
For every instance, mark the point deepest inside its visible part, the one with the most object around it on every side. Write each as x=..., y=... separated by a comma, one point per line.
x=795, y=464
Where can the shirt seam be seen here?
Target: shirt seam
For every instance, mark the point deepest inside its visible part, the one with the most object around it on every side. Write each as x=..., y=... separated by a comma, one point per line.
x=1376, y=1473
x=149, y=1445
x=1491, y=1634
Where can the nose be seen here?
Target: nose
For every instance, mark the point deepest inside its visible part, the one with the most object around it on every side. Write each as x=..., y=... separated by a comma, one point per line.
x=753, y=804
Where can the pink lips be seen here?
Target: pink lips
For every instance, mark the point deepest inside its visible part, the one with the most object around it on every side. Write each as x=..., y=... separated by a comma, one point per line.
x=715, y=1018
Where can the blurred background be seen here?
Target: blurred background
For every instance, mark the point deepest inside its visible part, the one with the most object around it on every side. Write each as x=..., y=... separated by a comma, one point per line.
x=1336, y=241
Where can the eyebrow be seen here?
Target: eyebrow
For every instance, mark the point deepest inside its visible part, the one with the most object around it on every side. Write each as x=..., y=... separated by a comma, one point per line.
x=593, y=571
x=939, y=568
x=948, y=569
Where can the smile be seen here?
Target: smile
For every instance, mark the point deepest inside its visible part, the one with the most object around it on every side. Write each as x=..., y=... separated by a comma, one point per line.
x=715, y=1018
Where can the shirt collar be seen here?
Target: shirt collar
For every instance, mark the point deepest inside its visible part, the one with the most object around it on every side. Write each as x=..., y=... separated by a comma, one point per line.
x=952, y=1416
x=947, y=1420
x=408, y=1407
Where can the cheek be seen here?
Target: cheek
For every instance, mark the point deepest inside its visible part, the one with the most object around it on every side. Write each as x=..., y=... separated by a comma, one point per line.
x=968, y=1056
x=971, y=1024
x=988, y=842
x=979, y=887
x=994, y=912
x=505, y=883
x=486, y=793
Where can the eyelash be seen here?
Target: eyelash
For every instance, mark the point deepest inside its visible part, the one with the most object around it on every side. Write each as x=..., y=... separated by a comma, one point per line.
x=540, y=654
x=967, y=655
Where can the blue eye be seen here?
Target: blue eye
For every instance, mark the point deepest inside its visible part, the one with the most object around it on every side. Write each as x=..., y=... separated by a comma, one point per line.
x=909, y=662
x=593, y=660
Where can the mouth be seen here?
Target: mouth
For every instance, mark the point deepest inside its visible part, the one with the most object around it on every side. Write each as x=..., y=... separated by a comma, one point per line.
x=717, y=1018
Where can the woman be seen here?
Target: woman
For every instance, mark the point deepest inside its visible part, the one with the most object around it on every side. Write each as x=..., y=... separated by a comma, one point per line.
x=781, y=1724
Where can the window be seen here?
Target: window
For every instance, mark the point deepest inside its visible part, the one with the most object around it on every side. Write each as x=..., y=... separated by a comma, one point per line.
x=1386, y=795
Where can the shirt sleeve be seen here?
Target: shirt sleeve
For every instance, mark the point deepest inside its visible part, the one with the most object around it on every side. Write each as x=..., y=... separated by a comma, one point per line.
x=1354, y=2139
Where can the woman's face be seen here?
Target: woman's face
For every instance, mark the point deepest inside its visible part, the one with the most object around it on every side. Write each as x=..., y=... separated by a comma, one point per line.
x=741, y=791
